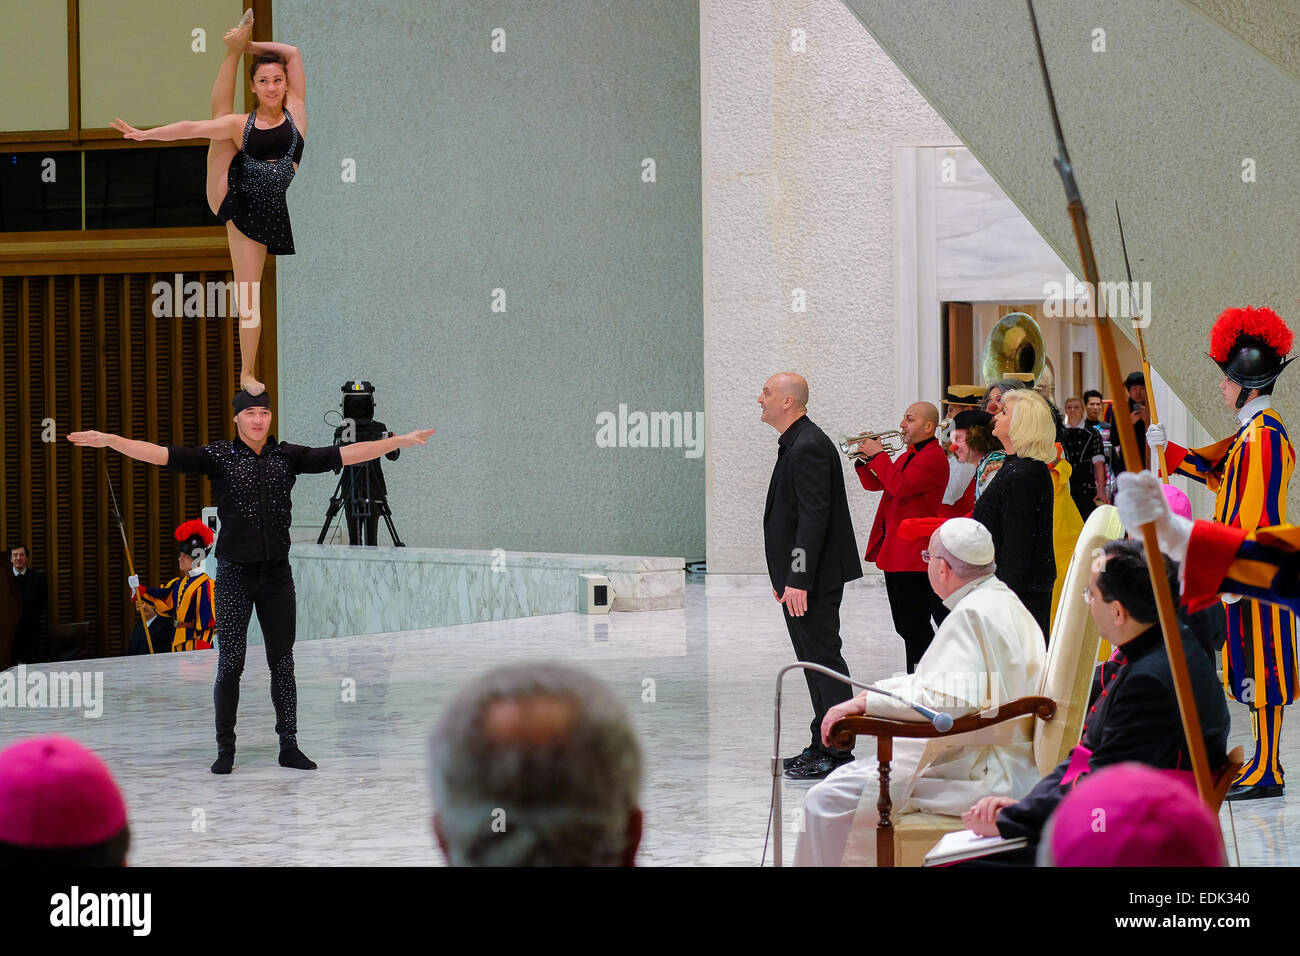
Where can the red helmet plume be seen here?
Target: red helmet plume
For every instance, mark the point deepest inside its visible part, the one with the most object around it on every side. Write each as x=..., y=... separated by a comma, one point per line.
x=1262, y=324
x=195, y=528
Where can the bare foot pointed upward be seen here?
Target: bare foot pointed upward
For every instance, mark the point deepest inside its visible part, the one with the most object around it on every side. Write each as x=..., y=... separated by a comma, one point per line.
x=237, y=37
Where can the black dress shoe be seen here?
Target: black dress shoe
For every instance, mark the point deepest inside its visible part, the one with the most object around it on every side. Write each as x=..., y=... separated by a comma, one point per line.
x=1255, y=792
x=818, y=766
x=788, y=762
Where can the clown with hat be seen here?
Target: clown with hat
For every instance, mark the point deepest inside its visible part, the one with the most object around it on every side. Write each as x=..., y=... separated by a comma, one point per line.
x=188, y=598
x=1249, y=474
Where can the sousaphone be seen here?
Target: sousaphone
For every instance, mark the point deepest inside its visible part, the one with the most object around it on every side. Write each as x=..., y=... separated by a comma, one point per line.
x=1015, y=349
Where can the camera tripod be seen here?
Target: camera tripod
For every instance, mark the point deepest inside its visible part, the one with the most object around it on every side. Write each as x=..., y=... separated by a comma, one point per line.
x=359, y=504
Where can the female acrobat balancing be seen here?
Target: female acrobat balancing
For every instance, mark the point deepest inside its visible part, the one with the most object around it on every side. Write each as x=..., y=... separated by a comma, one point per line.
x=252, y=477
x=252, y=158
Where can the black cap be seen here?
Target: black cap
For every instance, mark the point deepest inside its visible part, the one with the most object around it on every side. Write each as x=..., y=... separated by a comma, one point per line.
x=972, y=417
x=243, y=400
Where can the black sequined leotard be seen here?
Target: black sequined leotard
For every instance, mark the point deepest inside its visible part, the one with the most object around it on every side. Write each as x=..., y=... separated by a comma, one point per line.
x=258, y=179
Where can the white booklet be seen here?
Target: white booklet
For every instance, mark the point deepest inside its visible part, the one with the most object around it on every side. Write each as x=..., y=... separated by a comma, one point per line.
x=965, y=845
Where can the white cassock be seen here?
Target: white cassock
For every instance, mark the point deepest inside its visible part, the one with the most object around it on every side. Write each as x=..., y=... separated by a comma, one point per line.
x=988, y=650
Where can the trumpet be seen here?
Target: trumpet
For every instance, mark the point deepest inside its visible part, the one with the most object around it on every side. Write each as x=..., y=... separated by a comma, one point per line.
x=892, y=440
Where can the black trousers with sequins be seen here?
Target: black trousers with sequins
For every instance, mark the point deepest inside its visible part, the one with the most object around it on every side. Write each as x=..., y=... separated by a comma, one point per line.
x=267, y=587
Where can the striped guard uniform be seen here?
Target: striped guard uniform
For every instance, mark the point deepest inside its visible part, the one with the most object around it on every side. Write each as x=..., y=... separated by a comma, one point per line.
x=1264, y=565
x=188, y=601
x=1249, y=474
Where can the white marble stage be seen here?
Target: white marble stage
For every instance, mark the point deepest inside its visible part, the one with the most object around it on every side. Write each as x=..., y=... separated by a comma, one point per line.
x=344, y=590
x=705, y=729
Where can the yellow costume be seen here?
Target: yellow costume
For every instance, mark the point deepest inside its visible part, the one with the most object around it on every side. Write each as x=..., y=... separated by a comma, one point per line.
x=1067, y=523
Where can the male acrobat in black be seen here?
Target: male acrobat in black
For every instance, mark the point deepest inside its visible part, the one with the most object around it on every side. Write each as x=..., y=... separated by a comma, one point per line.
x=252, y=478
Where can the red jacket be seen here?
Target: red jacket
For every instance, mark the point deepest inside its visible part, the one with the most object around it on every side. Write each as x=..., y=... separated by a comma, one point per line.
x=913, y=487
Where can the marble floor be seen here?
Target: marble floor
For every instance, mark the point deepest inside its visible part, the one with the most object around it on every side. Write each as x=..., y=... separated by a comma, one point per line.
x=698, y=682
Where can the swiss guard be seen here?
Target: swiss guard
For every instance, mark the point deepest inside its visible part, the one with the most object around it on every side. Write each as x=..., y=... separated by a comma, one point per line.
x=186, y=599
x=1249, y=474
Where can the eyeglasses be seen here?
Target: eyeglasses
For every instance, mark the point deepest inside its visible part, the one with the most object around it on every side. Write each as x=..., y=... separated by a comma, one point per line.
x=926, y=556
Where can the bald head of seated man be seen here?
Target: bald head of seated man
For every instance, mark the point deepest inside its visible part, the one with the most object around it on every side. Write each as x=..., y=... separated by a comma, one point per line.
x=536, y=765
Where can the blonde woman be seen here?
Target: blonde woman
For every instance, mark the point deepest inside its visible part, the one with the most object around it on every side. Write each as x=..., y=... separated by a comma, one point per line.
x=1017, y=506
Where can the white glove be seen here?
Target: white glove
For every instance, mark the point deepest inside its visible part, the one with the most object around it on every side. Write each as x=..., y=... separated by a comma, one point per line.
x=1156, y=436
x=134, y=582
x=1141, y=500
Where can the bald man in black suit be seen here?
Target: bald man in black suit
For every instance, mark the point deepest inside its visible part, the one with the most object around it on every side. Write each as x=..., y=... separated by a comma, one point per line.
x=811, y=554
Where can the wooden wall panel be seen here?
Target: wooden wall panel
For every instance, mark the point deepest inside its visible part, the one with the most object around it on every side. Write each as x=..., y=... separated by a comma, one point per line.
x=77, y=498
x=29, y=389
x=85, y=349
x=10, y=513
x=55, y=342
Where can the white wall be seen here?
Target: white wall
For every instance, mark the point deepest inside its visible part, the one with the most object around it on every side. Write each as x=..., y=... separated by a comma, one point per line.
x=798, y=172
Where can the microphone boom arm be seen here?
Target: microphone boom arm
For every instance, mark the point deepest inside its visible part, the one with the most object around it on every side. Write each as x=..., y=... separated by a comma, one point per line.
x=941, y=722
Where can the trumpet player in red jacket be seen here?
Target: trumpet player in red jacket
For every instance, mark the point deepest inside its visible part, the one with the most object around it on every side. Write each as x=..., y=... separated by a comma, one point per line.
x=913, y=485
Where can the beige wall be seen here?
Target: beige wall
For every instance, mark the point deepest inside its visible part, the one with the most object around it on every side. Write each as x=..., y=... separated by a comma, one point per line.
x=33, y=65
x=138, y=60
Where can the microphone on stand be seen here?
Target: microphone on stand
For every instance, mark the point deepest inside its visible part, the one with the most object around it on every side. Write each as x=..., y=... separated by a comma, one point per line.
x=942, y=722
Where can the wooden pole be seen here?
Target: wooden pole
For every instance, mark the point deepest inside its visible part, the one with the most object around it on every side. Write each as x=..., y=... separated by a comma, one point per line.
x=1142, y=349
x=139, y=606
x=1151, y=405
x=1128, y=445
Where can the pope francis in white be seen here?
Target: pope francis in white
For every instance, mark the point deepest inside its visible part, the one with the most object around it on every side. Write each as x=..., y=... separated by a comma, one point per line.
x=988, y=650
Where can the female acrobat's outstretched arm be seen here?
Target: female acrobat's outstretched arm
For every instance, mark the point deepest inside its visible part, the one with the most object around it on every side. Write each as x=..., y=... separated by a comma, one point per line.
x=224, y=127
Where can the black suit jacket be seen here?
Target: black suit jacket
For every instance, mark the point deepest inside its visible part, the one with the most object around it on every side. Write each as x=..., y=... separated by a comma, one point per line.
x=32, y=588
x=1137, y=720
x=807, y=528
x=161, y=632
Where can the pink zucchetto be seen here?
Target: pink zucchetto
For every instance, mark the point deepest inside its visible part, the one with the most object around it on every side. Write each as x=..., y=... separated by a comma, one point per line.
x=1130, y=814
x=55, y=793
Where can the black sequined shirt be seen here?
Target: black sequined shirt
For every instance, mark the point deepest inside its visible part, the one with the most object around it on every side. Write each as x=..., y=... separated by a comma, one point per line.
x=252, y=491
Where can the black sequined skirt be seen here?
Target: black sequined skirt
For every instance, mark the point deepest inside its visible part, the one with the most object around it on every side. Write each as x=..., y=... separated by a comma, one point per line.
x=255, y=201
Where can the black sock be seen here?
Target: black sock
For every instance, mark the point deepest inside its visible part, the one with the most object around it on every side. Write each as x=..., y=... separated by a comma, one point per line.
x=296, y=759
x=225, y=762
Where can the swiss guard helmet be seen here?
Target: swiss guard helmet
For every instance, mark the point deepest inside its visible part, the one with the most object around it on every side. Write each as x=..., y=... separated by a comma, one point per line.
x=195, y=539
x=1250, y=345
